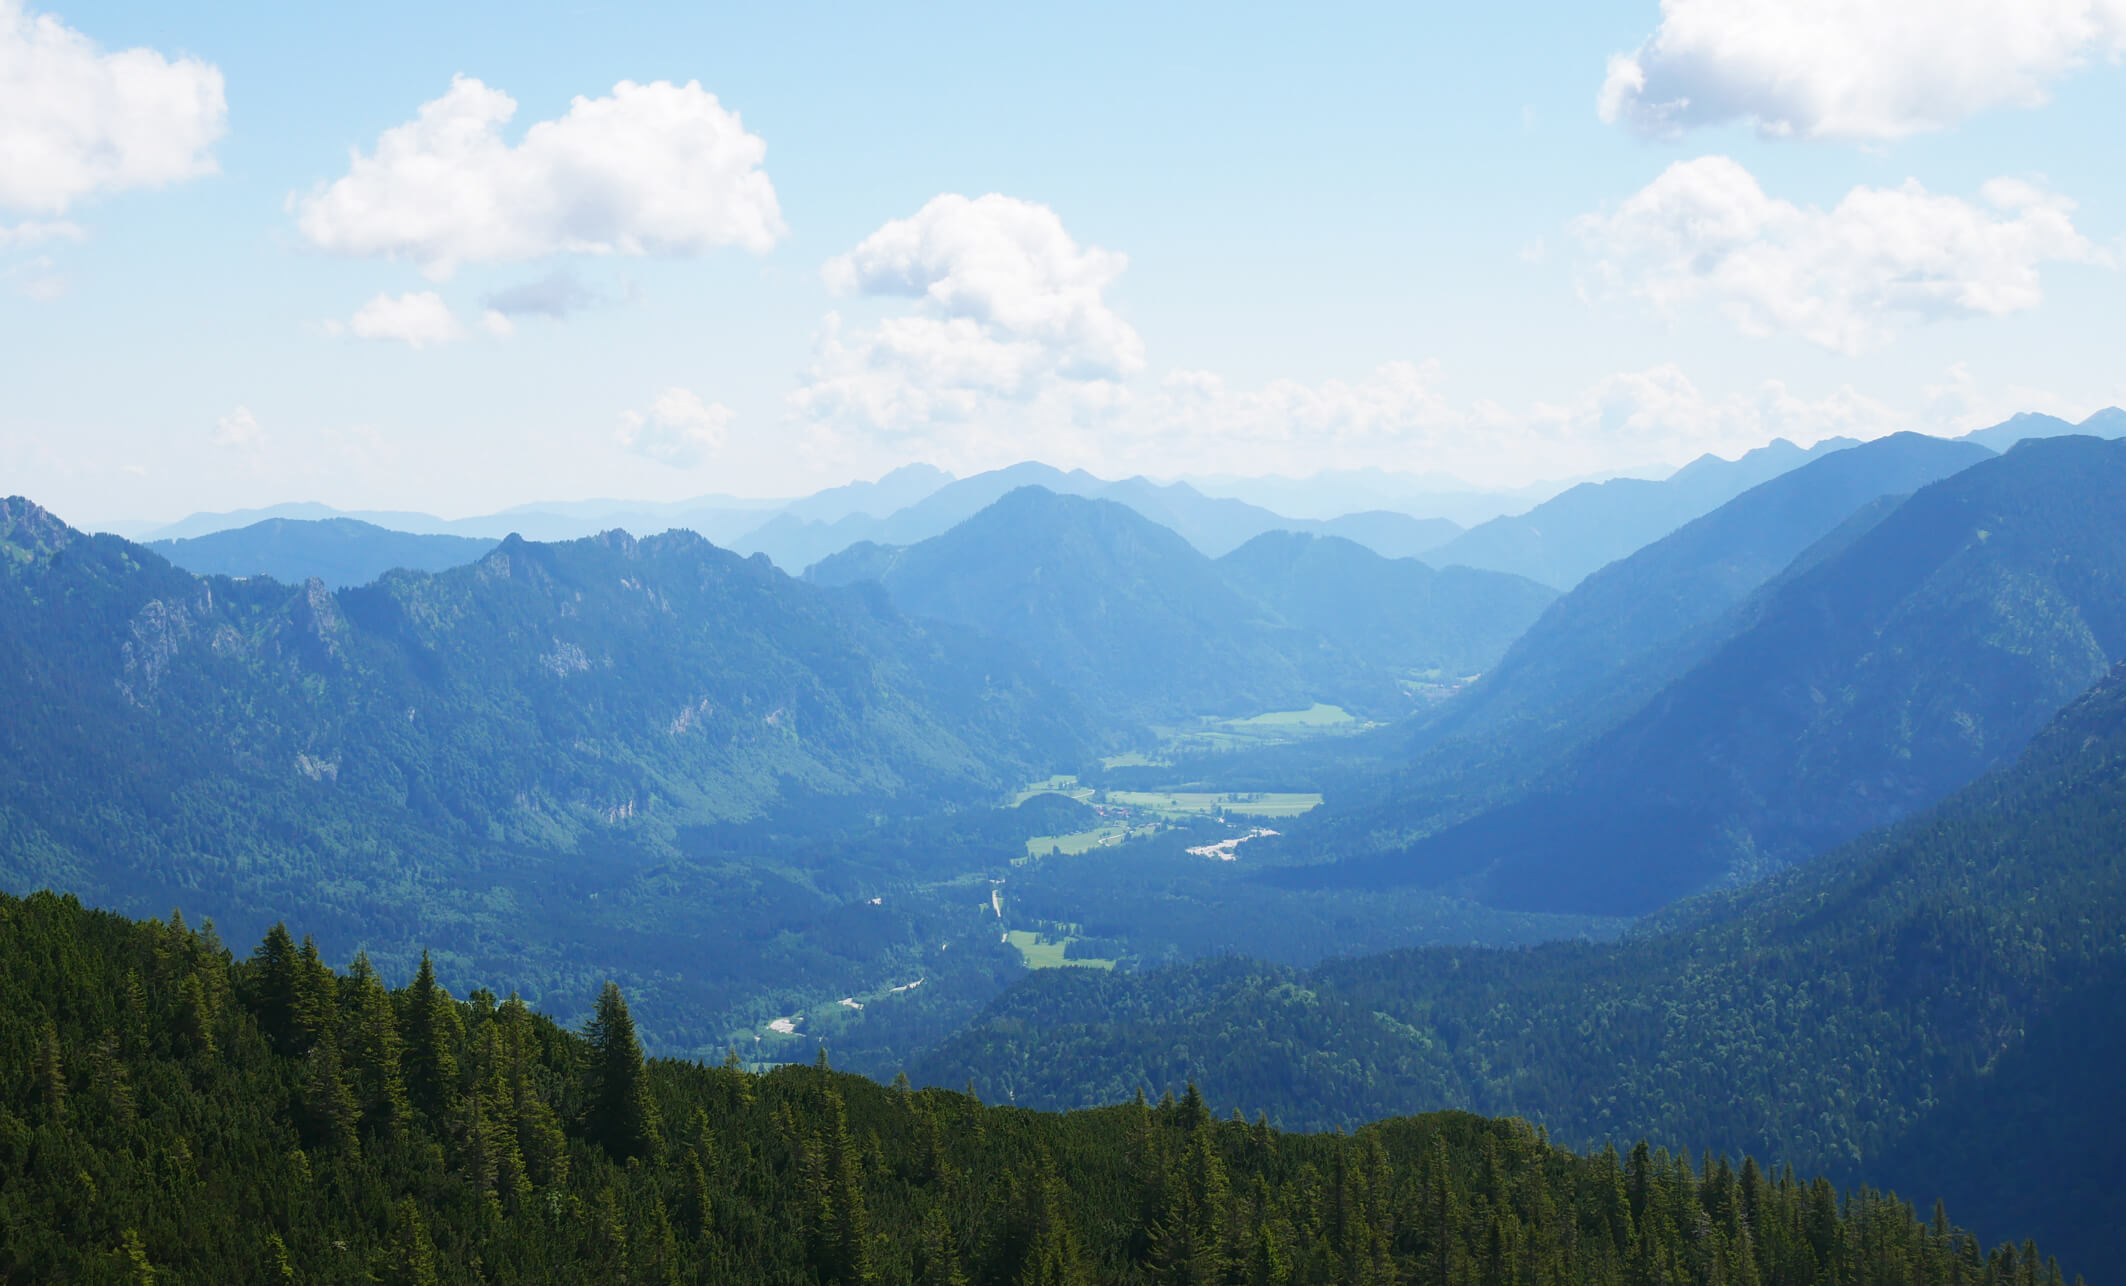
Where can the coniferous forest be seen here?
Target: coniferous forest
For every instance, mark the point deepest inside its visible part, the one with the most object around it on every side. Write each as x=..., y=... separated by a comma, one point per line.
x=170, y=1112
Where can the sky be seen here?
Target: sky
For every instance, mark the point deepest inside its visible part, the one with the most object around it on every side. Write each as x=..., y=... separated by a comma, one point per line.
x=456, y=258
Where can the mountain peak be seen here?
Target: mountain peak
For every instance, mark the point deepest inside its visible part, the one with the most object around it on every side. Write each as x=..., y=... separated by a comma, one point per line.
x=31, y=529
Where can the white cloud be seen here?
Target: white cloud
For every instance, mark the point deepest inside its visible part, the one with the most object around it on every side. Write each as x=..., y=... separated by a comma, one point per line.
x=415, y=318
x=1852, y=69
x=657, y=169
x=679, y=429
x=497, y=323
x=239, y=430
x=1005, y=264
x=1008, y=309
x=1844, y=278
x=75, y=121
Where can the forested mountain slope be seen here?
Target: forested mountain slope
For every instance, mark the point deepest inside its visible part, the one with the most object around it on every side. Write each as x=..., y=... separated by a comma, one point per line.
x=1398, y=613
x=1920, y=996
x=1600, y=652
x=168, y=1113
x=1867, y=684
x=1570, y=535
x=1631, y=618
x=515, y=759
x=342, y=552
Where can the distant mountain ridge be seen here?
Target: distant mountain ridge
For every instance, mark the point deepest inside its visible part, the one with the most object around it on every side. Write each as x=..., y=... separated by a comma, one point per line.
x=917, y=501
x=2107, y=423
x=342, y=552
x=1562, y=540
x=1214, y=526
x=1123, y=611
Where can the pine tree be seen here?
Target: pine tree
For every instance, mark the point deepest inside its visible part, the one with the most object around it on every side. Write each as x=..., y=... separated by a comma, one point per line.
x=278, y=985
x=620, y=1116
x=193, y=1026
x=371, y=1052
x=937, y=1255
x=138, y=1266
x=411, y=1259
x=51, y=1073
x=331, y=1113
x=539, y=1137
x=431, y=1033
x=1050, y=1254
x=316, y=1011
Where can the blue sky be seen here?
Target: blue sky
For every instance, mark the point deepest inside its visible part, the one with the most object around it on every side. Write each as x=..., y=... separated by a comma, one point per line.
x=1194, y=239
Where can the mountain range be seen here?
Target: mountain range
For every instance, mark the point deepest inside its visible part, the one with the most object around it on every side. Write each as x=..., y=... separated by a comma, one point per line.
x=1141, y=626
x=442, y=755
x=1867, y=681
x=1814, y=760
x=1602, y=651
x=1568, y=536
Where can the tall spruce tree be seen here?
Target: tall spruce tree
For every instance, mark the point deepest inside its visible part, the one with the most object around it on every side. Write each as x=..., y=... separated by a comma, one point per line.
x=619, y=1115
x=371, y=1047
x=432, y=1033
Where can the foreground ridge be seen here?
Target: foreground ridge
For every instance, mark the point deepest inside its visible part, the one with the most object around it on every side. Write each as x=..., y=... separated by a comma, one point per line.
x=166, y=1109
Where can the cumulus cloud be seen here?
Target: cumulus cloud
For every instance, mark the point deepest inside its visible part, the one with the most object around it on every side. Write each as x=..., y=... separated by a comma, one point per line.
x=1844, y=278
x=1006, y=308
x=417, y=318
x=1852, y=69
x=1005, y=264
x=657, y=169
x=239, y=430
x=76, y=121
x=678, y=429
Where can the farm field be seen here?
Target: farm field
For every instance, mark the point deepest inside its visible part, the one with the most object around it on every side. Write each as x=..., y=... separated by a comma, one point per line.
x=1083, y=841
x=1060, y=784
x=1211, y=803
x=1316, y=717
x=1041, y=953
